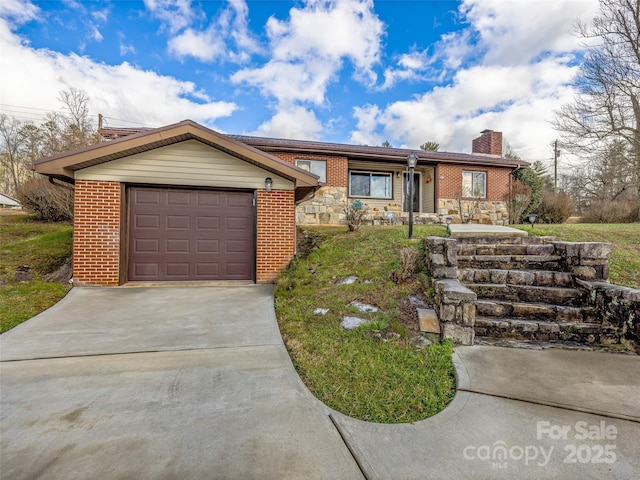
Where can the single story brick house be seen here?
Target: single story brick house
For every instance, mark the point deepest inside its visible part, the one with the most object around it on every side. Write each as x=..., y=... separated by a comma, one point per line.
x=186, y=203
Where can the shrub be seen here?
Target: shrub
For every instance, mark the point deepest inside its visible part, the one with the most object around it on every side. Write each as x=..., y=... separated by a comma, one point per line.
x=610, y=211
x=518, y=199
x=50, y=202
x=409, y=257
x=555, y=207
x=355, y=214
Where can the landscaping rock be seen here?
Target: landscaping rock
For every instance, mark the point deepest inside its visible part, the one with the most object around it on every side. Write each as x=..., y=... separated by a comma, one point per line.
x=349, y=323
x=420, y=342
x=347, y=281
x=428, y=320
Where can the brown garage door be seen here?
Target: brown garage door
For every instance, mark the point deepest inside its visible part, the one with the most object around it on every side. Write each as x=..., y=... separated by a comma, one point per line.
x=178, y=234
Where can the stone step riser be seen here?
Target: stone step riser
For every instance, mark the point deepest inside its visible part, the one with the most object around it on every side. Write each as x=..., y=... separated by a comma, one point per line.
x=473, y=249
x=584, y=333
x=528, y=294
x=550, y=313
x=541, y=278
x=510, y=262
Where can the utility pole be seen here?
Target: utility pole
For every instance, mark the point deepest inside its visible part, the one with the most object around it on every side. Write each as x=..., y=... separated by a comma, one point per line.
x=556, y=155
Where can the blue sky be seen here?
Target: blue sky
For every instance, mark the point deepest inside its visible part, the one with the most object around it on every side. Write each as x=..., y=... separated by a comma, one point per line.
x=354, y=71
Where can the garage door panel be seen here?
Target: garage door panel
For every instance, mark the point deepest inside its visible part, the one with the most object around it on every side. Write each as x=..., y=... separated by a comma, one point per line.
x=177, y=197
x=177, y=246
x=180, y=234
x=208, y=246
x=147, y=197
x=147, y=270
x=177, y=270
x=208, y=223
x=147, y=221
x=210, y=199
x=146, y=245
x=182, y=222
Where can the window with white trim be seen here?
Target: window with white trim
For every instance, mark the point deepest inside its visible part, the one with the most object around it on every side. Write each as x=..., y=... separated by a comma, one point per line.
x=318, y=167
x=370, y=184
x=474, y=184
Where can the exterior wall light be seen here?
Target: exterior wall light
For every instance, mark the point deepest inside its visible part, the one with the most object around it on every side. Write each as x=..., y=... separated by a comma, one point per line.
x=268, y=184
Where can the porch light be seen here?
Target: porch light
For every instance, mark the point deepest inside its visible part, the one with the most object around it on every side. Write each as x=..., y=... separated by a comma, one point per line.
x=412, y=161
x=532, y=219
x=268, y=184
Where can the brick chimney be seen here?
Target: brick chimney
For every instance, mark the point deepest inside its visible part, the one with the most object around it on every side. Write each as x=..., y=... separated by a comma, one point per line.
x=489, y=143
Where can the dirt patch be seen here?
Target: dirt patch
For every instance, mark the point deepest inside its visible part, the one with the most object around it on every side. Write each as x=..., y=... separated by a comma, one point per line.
x=62, y=274
x=307, y=242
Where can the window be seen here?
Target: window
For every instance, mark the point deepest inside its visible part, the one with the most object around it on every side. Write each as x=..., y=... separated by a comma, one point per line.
x=370, y=184
x=318, y=167
x=474, y=184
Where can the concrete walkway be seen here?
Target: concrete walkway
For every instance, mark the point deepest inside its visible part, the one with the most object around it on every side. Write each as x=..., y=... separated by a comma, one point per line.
x=160, y=383
x=194, y=382
x=460, y=230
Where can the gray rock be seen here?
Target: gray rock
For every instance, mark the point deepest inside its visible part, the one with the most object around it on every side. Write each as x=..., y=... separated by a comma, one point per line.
x=420, y=342
x=349, y=323
x=363, y=307
x=347, y=281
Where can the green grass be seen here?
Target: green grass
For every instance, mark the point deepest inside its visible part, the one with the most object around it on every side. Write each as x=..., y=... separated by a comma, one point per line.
x=624, y=262
x=40, y=246
x=351, y=371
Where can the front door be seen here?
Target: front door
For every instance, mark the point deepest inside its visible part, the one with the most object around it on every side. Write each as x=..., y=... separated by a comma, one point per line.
x=416, y=192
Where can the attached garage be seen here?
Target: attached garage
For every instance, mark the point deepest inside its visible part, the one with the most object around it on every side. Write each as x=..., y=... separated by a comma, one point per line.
x=177, y=234
x=180, y=203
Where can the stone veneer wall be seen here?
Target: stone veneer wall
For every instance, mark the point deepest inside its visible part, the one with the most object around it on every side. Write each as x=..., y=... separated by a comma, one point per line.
x=326, y=207
x=486, y=212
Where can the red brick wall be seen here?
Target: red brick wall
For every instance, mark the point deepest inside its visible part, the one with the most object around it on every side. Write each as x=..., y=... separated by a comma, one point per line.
x=96, y=233
x=276, y=233
x=451, y=184
x=337, y=170
x=489, y=143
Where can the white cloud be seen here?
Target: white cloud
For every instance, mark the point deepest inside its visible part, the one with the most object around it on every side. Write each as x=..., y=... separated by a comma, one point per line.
x=508, y=70
x=295, y=122
x=18, y=11
x=308, y=49
x=118, y=91
x=204, y=46
x=176, y=14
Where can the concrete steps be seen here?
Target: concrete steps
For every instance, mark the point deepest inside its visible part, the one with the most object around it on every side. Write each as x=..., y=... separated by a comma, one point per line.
x=540, y=330
x=523, y=294
x=535, y=310
x=528, y=293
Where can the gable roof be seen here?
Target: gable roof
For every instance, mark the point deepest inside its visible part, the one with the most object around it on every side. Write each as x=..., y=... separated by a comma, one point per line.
x=379, y=154
x=63, y=165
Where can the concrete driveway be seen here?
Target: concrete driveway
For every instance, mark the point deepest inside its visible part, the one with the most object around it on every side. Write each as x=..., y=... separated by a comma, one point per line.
x=160, y=383
x=194, y=382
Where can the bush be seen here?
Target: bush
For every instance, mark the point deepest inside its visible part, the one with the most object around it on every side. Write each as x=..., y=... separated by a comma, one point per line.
x=610, y=211
x=517, y=200
x=555, y=207
x=355, y=214
x=50, y=202
x=409, y=257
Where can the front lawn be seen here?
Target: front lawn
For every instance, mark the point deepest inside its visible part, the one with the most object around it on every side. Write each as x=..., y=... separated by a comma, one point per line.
x=372, y=372
x=29, y=251
x=624, y=262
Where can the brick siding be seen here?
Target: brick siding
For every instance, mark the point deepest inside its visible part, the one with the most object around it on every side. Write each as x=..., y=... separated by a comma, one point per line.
x=96, y=233
x=450, y=186
x=276, y=233
x=337, y=169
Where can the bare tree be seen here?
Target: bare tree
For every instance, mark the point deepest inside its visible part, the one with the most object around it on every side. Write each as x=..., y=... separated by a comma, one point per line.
x=606, y=108
x=15, y=165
